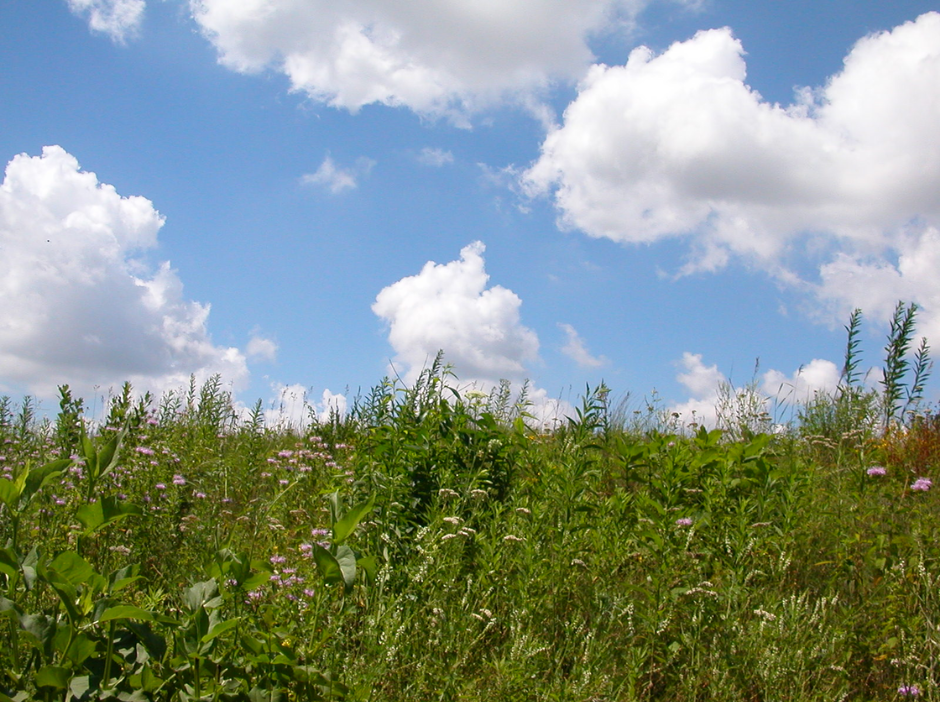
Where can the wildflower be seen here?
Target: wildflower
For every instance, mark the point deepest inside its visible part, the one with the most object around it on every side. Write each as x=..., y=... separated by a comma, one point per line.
x=319, y=532
x=909, y=690
x=684, y=522
x=446, y=492
x=452, y=520
x=448, y=537
x=509, y=538
x=144, y=451
x=276, y=559
x=523, y=510
x=922, y=484
x=199, y=495
x=179, y=479
x=876, y=470
x=478, y=494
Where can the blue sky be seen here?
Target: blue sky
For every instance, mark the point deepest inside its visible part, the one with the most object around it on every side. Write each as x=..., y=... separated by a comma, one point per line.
x=664, y=192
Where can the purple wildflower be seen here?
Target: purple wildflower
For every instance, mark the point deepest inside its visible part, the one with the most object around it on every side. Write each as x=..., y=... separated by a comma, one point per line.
x=143, y=450
x=684, y=522
x=179, y=479
x=922, y=484
x=909, y=690
x=876, y=470
x=276, y=559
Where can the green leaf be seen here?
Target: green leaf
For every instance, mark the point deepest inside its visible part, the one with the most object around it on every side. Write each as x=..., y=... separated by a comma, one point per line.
x=80, y=649
x=202, y=594
x=345, y=526
x=9, y=564
x=105, y=511
x=219, y=629
x=53, y=676
x=72, y=568
x=327, y=565
x=9, y=493
x=125, y=612
x=347, y=564
x=38, y=478
x=370, y=565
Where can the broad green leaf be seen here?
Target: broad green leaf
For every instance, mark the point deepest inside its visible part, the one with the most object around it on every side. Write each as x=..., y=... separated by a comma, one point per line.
x=202, y=594
x=42, y=476
x=345, y=526
x=8, y=562
x=9, y=493
x=105, y=511
x=53, y=676
x=72, y=568
x=327, y=565
x=125, y=612
x=370, y=565
x=220, y=628
x=107, y=456
x=80, y=649
x=347, y=563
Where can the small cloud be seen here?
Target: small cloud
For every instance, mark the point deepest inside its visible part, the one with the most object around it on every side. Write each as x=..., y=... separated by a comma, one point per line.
x=261, y=349
x=435, y=157
x=337, y=179
x=577, y=351
x=119, y=19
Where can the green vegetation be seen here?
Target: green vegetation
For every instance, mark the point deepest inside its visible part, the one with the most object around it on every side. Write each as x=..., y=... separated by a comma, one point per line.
x=434, y=546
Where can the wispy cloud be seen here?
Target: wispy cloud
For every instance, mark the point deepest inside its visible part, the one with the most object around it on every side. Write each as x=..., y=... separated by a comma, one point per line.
x=435, y=157
x=337, y=179
x=119, y=19
x=576, y=350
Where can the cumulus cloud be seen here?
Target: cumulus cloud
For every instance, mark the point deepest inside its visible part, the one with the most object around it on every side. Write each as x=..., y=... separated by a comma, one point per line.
x=678, y=145
x=291, y=407
x=435, y=157
x=448, y=307
x=119, y=19
x=80, y=306
x=337, y=179
x=576, y=350
x=437, y=57
x=713, y=399
x=261, y=349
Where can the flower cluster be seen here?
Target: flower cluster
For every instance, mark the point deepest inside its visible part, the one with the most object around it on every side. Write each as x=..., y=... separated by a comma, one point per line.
x=909, y=690
x=876, y=471
x=922, y=484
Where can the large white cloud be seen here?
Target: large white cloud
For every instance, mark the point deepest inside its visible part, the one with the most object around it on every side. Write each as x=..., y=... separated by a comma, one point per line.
x=678, y=145
x=119, y=19
x=433, y=56
x=448, y=307
x=79, y=308
x=714, y=400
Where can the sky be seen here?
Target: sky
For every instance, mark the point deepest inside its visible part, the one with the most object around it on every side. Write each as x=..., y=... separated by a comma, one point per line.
x=306, y=196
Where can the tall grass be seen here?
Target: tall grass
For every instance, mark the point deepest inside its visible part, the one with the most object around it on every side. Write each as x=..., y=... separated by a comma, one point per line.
x=434, y=546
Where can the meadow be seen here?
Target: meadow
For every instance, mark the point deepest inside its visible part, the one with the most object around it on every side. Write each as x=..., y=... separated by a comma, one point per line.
x=432, y=544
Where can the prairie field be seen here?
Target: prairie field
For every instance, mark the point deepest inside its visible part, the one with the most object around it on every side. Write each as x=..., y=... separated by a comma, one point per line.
x=435, y=545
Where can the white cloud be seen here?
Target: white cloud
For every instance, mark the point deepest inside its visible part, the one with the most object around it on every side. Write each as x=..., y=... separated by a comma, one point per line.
x=291, y=407
x=575, y=349
x=336, y=179
x=449, y=307
x=435, y=157
x=119, y=19
x=436, y=57
x=819, y=375
x=261, y=349
x=714, y=401
x=79, y=306
x=678, y=145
